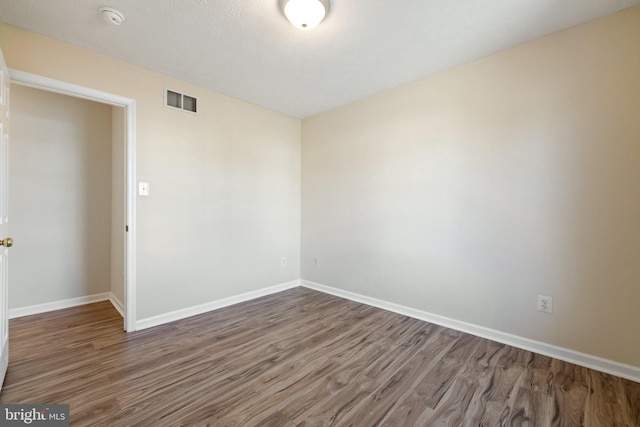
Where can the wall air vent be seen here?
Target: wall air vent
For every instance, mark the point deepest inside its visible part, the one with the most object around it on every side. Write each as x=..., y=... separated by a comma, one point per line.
x=180, y=101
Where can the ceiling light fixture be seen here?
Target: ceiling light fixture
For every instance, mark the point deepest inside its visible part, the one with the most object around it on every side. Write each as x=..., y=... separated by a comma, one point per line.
x=111, y=15
x=305, y=14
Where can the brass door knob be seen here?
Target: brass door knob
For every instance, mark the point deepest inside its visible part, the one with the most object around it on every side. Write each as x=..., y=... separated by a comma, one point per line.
x=7, y=241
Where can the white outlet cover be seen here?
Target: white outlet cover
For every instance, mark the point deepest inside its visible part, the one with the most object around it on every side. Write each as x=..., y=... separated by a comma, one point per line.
x=545, y=304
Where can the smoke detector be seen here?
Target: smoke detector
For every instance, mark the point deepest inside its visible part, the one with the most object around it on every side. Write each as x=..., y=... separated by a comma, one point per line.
x=111, y=15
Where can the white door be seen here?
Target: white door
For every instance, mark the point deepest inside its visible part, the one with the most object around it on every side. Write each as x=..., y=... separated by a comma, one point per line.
x=5, y=241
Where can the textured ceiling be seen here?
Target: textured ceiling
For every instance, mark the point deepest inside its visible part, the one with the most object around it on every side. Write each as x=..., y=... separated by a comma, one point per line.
x=247, y=49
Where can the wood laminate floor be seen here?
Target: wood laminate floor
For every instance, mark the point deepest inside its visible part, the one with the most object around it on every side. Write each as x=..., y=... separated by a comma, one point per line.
x=298, y=358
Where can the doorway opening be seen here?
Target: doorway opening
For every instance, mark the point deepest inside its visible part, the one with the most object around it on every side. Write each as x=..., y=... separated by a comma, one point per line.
x=118, y=224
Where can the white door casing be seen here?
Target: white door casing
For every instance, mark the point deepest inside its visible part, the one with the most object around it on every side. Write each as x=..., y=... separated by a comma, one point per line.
x=45, y=83
x=4, y=218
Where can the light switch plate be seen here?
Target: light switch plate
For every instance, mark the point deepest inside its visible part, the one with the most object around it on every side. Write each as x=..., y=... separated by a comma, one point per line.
x=143, y=188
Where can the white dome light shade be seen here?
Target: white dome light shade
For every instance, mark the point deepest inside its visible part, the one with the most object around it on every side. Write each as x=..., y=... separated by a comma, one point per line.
x=304, y=14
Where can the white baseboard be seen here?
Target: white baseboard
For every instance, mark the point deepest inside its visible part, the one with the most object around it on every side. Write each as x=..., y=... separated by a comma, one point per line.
x=589, y=361
x=593, y=362
x=213, y=305
x=117, y=304
x=57, y=305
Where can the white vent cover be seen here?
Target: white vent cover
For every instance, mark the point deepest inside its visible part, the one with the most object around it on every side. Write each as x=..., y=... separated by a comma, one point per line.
x=180, y=101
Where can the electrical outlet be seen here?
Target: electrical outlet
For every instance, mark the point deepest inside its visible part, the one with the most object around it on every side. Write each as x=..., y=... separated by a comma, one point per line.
x=316, y=262
x=283, y=261
x=545, y=304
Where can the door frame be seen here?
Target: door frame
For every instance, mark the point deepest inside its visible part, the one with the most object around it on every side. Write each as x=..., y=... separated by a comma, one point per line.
x=64, y=88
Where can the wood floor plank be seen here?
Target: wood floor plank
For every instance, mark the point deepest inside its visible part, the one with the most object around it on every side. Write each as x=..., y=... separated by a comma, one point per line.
x=334, y=367
x=379, y=405
x=298, y=358
x=346, y=360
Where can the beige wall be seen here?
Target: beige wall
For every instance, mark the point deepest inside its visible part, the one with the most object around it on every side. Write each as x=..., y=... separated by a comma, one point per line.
x=60, y=195
x=469, y=193
x=225, y=184
x=118, y=197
